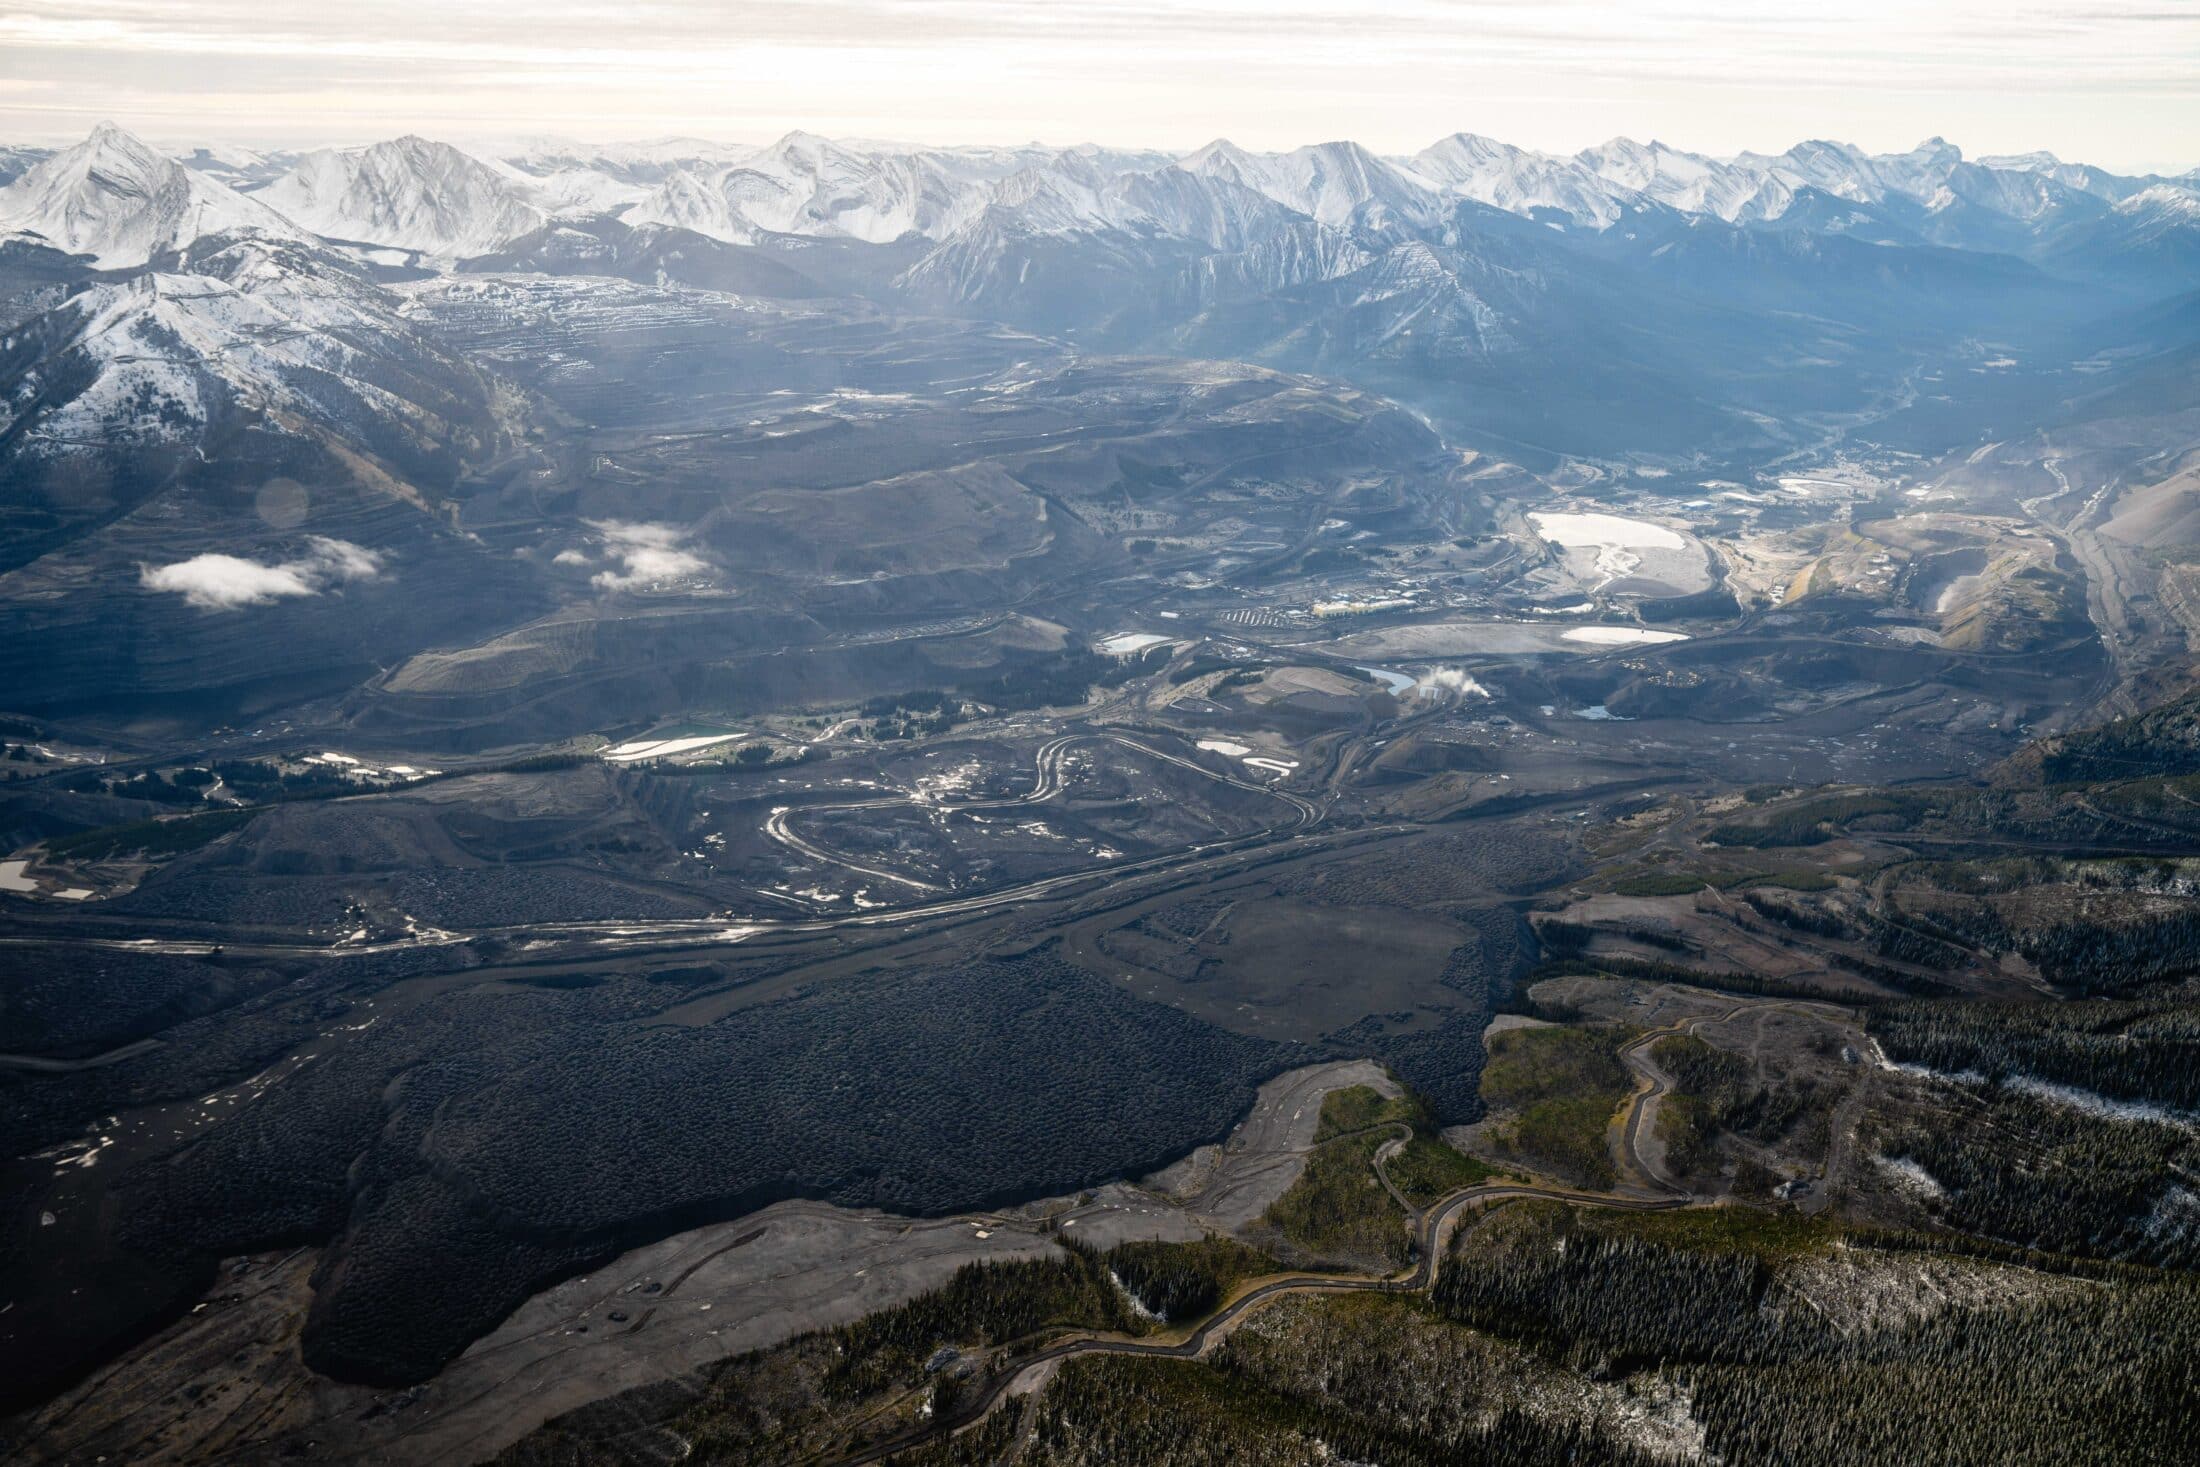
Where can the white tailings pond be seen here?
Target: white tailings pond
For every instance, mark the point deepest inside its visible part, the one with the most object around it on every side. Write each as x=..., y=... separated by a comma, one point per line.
x=1437, y=640
x=1395, y=683
x=658, y=748
x=1621, y=636
x=1124, y=644
x=1596, y=530
x=1603, y=548
x=13, y=878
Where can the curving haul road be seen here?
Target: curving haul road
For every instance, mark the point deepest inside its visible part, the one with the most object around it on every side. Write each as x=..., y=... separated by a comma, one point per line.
x=1429, y=1235
x=1050, y=781
x=1430, y=1229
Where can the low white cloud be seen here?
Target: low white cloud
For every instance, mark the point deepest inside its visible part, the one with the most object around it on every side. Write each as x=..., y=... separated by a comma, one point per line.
x=570, y=557
x=216, y=582
x=647, y=553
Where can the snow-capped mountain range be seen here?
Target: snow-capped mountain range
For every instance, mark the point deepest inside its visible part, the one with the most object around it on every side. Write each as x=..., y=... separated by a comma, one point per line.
x=159, y=298
x=122, y=202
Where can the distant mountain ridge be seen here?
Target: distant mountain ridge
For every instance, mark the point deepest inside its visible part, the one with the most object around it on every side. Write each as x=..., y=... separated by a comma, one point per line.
x=427, y=197
x=1632, y=297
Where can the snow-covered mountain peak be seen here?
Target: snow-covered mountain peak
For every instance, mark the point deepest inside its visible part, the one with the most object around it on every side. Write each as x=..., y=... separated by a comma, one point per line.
x=1064, y=194
x=799, y=144
x=1469, y=152
x=688, y=199
x=2163, y=201
x=1332, y=182
x=1219, y=159
x=804, y=184
x=117, y=160
x=410, y=192
x=1517, y=180
x=120, y=200
x=2040, y=161
x=1922, y=173
x=1651, y=167
x=1071, y=180
x=1690, y=182
x=1343, y=179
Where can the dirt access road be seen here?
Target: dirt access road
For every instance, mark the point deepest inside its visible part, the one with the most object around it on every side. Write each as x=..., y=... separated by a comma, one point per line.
x=1432, y=1228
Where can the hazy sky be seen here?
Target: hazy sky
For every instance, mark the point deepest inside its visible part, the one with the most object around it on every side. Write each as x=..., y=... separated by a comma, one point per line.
x=2115, y=82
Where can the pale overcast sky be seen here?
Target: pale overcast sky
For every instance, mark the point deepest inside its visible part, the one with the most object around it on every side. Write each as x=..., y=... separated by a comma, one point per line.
x=2115, y=82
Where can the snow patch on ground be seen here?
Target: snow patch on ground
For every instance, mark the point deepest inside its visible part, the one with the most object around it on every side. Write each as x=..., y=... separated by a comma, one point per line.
x=2104, y=1107
x=1911, y=1177
x=2175, y=1213
x=2070, y=1097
